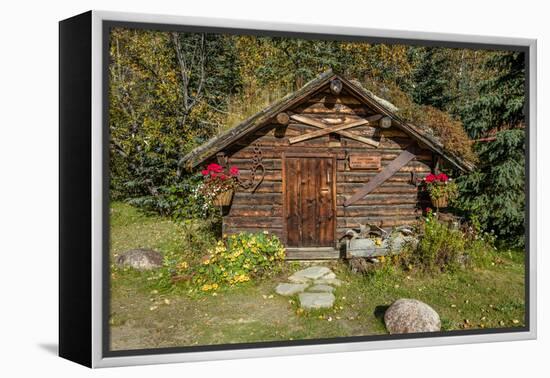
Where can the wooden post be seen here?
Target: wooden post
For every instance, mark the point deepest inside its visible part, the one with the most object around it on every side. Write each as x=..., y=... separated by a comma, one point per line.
x=283, y=118
x=335, y=87
x=385, y=122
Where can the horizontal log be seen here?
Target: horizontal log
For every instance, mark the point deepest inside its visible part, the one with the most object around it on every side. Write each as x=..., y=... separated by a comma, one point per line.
x=312, y=254
x=364, y=176
x=382, y=199
x=237, y=210
x=269, y=175
x=247, y=198
x=377, y=210
x=269, y=164
x=269, y=187
x=382, y=221
x=385, y=188
x=276, y=152
x=254, y=222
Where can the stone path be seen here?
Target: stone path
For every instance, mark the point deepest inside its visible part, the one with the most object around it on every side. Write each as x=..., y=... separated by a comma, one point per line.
x=314, y=286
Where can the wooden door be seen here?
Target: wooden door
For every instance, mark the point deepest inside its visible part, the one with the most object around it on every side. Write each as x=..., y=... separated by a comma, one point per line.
x=309, y=201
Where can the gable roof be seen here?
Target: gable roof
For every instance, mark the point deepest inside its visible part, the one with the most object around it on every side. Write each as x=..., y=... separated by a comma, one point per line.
x=260, y=119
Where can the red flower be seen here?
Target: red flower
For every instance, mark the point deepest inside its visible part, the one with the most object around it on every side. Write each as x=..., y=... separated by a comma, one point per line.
x=428, y=209
x=234, y=171
x=205, y=172
x=223, y=176
x=442, y=177
x=430, y=178
x=216, y=168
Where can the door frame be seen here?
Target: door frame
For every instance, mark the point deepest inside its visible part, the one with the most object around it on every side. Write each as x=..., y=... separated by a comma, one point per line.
x=330, y=155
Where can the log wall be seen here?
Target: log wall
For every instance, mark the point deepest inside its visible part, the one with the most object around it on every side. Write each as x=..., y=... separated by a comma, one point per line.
x=395, y=202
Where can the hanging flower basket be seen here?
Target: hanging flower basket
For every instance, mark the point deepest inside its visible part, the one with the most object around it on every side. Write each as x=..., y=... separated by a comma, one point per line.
x=224, y=198
x=440, y=202
x=219, y=184
x=440, y=189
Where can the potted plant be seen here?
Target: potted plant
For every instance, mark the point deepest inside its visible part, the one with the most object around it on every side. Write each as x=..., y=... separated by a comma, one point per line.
x=219, y=183
x=441, y=189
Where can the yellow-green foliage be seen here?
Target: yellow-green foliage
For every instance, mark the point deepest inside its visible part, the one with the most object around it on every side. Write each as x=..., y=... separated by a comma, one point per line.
x=449, y=130
x=237, y=259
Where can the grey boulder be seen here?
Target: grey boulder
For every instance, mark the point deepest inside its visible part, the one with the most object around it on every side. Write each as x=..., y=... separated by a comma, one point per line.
x=411, y=316
x=140, y=259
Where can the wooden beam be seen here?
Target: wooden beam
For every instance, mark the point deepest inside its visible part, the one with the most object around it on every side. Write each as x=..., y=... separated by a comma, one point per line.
x=328, y=130
x=313, y=122
x=388, y=171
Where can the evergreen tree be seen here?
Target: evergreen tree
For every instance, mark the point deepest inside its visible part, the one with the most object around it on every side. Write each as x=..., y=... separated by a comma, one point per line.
x=495, y=192
x=432, y=77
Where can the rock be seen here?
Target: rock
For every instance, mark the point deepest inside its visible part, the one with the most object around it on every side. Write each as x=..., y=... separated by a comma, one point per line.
x=140, y=259
x=363, y=265
x=310, y=301
x=397, y=241
x=329, y=276
x=321, y=289
x=288, y=289
x=411, y=316
x=311, y=273
x=328, y=281
x=299, y=279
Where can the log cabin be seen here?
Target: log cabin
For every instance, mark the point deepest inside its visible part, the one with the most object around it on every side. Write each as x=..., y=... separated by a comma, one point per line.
x=325, y=159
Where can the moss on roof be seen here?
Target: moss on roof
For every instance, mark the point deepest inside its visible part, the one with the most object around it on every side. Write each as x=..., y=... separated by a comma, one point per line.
x=430, y=121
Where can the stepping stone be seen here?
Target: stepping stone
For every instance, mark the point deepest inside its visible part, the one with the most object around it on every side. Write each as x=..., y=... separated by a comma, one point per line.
x=298, y=279
x=288, y=289
x=321, y=289
x=311, y=301
x=329, y=276
x=312, y=273
x=328, y=281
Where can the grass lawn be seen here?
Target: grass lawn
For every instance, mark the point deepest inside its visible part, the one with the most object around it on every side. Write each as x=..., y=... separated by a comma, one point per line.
x=146, y=316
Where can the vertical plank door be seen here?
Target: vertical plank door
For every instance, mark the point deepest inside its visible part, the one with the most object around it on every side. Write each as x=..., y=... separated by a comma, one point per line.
x=309, y=201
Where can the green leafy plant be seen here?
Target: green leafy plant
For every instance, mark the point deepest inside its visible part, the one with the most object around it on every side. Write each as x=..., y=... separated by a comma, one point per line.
x=235, y=260
x=440, y=247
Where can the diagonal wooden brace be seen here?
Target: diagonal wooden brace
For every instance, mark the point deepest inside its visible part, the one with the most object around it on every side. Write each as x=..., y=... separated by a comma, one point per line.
x=388, y=171
x=321, y=125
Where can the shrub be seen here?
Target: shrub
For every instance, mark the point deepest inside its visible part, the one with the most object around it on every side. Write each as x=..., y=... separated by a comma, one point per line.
x=181, y=201
x=235, y=260
x=440, y=248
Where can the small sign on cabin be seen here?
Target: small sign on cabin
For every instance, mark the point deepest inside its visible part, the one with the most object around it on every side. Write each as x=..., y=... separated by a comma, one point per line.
x=364, y=161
